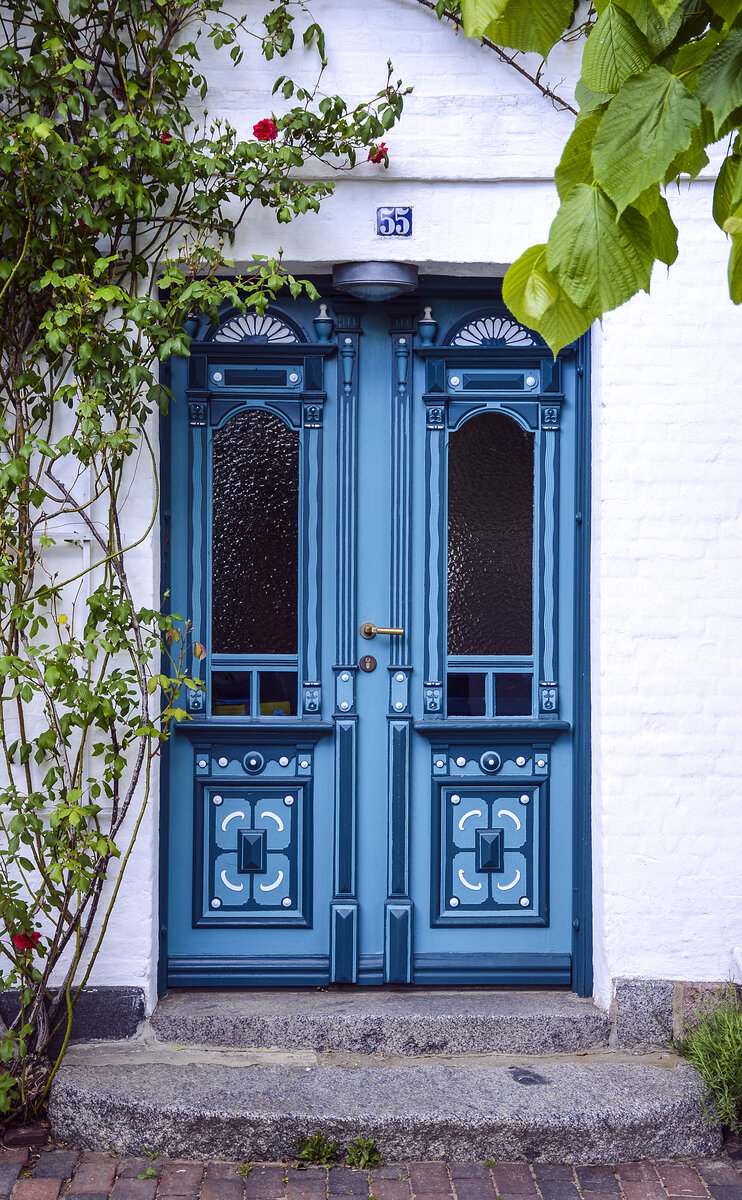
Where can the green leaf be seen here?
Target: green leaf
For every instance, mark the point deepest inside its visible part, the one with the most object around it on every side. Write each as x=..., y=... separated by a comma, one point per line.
x=531, y=24
x=616, y=49
x=575, y=165
x=733, y=223
x=692, y=55
x=645, y=127
x=720, y=79
x=727, y=9
x=654, y=208
x=658, y=31
x=588, y=100
x=478, y=14
x=534, y=297
x=600, y=261
x=735, y=270
x=728, y=183
x=694, y=159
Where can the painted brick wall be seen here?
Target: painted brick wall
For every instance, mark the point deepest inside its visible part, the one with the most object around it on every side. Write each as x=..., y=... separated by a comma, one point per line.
x=475, y=154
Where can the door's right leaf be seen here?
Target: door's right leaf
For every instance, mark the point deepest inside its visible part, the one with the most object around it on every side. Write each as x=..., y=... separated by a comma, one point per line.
x=599, y=259
x=615, y=50
x=645, y=127
x=535, y=297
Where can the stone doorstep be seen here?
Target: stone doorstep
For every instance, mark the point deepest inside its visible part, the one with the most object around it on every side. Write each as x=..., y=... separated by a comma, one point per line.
x=396, y=1021
x=213, y=1104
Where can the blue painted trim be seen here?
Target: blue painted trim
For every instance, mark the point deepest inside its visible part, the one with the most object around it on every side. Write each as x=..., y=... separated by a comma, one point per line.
x=582, y=942
x=371, y=970
x=399, y=918
x=311, y=970
x=493, y=970
x=344, y=941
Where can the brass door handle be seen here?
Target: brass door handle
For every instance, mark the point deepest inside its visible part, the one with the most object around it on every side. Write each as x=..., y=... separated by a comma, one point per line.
x=368, y=630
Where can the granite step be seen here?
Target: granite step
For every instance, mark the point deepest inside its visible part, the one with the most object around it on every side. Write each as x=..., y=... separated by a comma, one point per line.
x=370, y=1021
x=185, y=1101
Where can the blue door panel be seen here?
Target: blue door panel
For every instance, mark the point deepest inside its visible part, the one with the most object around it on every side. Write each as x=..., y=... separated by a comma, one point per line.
x=350, y=830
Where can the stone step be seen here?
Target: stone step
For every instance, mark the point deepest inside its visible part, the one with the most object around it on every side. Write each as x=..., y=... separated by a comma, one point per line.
x=369, y=1021
x=603, y=1106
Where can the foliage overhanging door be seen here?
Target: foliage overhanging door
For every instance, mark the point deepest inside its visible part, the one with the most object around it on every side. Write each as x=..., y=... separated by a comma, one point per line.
x=398, y=807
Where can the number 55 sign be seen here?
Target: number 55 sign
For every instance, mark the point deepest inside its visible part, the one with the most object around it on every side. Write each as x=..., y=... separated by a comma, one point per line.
x=394, y=222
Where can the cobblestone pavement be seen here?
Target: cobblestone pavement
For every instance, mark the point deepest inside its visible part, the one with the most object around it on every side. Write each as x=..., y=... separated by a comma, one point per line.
x=58, y=1173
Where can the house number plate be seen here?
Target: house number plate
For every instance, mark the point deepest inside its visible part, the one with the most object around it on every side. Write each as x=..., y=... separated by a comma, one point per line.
x=368, y=663
x=394, y=222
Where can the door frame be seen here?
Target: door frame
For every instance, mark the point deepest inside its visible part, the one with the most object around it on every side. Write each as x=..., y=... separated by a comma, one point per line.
x=475, y=291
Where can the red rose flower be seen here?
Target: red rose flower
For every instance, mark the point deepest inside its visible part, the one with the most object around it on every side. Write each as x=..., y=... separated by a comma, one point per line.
x=26, y=941
x=265, y=130
x=166, y=138
x=378, y=153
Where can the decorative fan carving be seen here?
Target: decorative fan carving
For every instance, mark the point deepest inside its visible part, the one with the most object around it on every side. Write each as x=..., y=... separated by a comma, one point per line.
x=249, y=327
x=488, y=332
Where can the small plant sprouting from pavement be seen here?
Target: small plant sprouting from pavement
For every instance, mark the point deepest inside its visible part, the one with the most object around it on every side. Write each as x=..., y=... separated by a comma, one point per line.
x=150, y=1173
x=490, y=1163
x=317, y=1148
x=714, y=1047
x=363, y=1153
x=244, y=1169
x=147, y=1153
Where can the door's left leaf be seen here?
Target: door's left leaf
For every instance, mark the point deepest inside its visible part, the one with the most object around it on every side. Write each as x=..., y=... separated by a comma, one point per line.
x=600, y=259
x=645, y=127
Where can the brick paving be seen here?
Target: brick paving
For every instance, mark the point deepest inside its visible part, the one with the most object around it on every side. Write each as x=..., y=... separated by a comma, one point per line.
x=61, y=1173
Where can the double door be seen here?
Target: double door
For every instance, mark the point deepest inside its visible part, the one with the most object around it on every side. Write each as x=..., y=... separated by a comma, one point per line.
x=371, y=528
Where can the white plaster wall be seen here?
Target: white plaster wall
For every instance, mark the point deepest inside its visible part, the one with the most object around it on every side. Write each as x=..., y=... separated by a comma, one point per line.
x=474, y=154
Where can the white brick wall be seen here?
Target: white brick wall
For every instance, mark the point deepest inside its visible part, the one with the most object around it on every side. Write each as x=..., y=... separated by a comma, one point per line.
x=475, y=154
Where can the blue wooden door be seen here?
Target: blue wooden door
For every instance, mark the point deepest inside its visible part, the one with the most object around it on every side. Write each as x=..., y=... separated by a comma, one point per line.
x=370, y=522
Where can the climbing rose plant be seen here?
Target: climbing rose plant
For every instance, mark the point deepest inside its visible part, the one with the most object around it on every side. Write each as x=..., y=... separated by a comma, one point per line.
x=661, y=80
x=118, y=205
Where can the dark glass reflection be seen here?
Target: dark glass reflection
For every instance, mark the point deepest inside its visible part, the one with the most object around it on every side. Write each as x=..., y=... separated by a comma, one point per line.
x=490, y=537
x=278, y=693
x=230, y=693
x=255, y=540
x=513, y=695
x=466, y=695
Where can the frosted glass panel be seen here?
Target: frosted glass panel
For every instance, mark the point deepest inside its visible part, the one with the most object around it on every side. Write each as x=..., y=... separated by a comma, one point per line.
x=255, y=541
x=490, y=537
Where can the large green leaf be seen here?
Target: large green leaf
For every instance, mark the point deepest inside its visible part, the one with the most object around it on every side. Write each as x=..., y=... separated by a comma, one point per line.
x=735, y=270
x=534, y=297
x=728, y=9
x=658, y=31
x=662, y=230
x=600, y=261
x=728, y=184
x=531, y=24
x=719, y=85
x=575, y=165
x=692, y=55
x=733, y=223
x=694, y=159
x=478, y=14
x=615, y=50
x=645, y=127
x=589, y=100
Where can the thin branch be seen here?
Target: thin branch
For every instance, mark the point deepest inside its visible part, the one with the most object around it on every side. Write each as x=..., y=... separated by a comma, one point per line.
x=509, y=59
